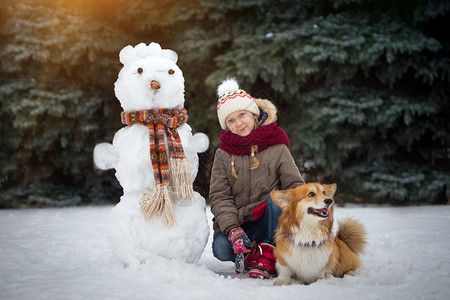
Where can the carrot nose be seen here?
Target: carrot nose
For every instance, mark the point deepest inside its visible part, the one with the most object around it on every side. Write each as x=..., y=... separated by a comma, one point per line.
x=155, y=85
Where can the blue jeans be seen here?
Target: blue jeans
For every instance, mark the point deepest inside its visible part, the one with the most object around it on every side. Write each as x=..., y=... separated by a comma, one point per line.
x=261, y=230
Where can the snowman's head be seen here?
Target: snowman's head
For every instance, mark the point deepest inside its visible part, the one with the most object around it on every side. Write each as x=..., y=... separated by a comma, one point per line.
x=149, y=79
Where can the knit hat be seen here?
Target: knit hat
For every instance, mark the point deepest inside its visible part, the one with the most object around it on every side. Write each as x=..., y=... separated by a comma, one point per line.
x=231, y=99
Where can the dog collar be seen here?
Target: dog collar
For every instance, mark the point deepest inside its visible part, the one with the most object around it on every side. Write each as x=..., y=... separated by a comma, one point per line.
x=308, y=244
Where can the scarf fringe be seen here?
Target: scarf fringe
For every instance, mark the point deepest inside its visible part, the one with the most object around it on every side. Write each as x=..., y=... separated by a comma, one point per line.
x=180, y=173
x=158, y=203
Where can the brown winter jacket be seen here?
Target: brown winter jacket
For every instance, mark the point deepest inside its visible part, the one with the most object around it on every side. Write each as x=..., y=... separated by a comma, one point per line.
x=238, y=200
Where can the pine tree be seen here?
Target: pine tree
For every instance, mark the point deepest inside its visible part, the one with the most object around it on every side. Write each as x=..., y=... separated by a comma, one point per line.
x=52, y=108
x=362, y=86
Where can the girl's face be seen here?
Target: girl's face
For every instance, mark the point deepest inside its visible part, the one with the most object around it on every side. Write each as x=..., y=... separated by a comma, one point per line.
x=241, y=122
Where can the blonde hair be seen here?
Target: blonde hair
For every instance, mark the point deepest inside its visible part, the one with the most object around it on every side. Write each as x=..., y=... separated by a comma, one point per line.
x=255, y=164
x=253, y=150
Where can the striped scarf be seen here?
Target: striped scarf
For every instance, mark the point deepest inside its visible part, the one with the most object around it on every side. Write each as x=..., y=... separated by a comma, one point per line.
x=172, y=173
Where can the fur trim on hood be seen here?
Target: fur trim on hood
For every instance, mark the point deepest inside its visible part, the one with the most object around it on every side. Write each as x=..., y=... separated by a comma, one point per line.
x=269, y=108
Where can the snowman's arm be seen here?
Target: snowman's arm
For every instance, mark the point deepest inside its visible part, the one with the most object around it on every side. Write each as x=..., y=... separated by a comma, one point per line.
x=199, y=142
x=105, y=156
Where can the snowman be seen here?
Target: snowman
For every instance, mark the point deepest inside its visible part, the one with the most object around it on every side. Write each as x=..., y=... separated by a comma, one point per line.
x=156, y=162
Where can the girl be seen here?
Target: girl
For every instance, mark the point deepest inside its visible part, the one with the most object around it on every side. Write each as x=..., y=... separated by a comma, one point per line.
x=253, y=159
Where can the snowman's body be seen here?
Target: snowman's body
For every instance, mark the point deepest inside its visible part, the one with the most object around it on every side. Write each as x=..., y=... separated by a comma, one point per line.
x=151, y=79
x=133, y=146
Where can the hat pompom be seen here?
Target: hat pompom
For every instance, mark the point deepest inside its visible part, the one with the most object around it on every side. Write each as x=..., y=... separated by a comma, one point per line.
x=231, y=99
x=228, y=86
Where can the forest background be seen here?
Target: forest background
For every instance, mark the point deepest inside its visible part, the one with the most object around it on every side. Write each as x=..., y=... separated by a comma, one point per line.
x=362, y=89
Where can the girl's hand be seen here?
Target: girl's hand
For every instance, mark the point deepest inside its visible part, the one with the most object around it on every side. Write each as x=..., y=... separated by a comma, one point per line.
x=241, y=245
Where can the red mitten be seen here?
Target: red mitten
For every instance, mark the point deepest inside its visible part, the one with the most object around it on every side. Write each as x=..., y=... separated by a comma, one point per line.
x=241, y=245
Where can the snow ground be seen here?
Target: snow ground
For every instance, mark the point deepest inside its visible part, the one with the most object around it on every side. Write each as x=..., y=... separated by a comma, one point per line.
x=62, y=253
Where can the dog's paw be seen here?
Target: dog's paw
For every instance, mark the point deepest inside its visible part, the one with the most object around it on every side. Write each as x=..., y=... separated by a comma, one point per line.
x=325, y=274
x=282, y=281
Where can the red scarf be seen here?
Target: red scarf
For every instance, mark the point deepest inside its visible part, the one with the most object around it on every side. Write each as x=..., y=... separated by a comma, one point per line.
x=264, y=137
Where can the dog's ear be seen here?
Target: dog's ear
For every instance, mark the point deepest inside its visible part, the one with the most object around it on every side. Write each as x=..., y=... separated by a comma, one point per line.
x=281, y=198
x=330, y=189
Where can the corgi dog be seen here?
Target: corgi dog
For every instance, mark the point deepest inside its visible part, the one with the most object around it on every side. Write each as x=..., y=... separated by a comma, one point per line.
x=306, y=248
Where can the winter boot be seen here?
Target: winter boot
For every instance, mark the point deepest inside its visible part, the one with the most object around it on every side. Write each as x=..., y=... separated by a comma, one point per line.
x=264, y=266
x=252, y=259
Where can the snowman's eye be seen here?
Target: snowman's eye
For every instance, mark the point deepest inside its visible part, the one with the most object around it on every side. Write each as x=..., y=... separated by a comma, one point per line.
x=140, y=70
x=171, y=71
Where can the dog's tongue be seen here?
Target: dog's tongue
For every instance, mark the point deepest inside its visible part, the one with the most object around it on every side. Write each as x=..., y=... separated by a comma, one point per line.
x=324, y=212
